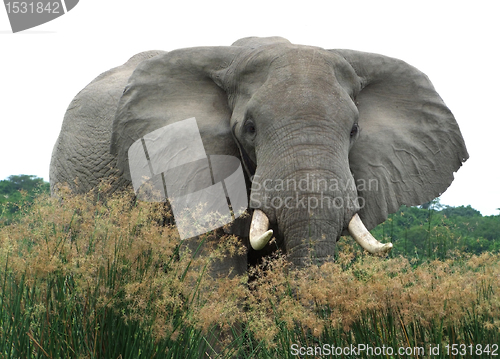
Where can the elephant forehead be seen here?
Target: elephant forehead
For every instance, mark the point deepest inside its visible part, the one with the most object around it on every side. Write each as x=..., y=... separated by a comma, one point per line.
x=304, y=68
x=297, y=59
x=281, y=100
x=302, y=97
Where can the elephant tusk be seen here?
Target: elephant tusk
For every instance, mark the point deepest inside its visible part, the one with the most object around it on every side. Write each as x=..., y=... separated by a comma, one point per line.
x=260, y=234
x=358, y=231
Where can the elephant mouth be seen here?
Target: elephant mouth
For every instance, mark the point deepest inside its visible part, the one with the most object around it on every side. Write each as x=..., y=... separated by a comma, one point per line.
x=260, y=234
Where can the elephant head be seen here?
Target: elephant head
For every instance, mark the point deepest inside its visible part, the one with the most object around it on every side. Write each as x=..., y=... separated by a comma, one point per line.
x=326, y=137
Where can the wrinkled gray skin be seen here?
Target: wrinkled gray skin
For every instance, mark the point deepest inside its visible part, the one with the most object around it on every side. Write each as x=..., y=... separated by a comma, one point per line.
x=290, y=113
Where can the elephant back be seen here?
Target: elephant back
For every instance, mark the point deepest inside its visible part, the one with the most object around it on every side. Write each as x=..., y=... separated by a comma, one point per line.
x=81, y=156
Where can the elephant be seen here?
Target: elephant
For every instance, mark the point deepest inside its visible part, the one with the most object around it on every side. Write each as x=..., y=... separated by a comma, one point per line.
x=331, y=141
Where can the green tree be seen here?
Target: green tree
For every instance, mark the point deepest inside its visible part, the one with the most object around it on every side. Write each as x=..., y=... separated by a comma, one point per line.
x=436, y=231
x=17, y=191
x=460, y=211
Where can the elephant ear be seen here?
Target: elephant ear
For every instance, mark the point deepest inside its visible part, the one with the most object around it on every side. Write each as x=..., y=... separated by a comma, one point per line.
x=409, y=143
x=172, y=87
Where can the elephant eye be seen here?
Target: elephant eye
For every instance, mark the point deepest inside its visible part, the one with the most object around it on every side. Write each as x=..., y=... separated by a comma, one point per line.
x=249, y=127
x=354, y=130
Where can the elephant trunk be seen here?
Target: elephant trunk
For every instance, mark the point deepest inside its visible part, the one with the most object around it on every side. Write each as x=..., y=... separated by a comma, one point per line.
x=310, y=240
x=309, y=216
x=304, y=186
x=260, y=234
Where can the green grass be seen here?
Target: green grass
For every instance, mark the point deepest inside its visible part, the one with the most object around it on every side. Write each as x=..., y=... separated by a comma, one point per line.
x=80, y=279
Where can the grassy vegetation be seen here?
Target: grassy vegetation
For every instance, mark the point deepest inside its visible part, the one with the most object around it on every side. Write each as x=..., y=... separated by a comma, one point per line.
x=81, y=279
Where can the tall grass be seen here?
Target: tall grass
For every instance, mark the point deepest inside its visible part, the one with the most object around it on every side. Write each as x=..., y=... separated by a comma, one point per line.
x=110, y=279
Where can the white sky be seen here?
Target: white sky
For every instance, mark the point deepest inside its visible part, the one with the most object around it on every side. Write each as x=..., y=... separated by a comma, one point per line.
x=454, y=43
